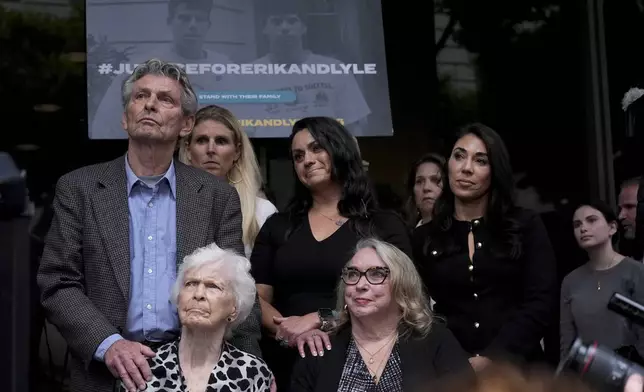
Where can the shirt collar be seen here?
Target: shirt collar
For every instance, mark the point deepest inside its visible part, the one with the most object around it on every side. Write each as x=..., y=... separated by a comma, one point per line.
x=169, y=175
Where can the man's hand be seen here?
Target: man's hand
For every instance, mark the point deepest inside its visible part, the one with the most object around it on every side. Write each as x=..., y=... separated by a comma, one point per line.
x=128, y=361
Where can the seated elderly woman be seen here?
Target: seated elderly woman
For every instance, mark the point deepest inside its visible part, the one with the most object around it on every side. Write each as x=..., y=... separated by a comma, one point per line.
x=213, y=293
x=385, y=338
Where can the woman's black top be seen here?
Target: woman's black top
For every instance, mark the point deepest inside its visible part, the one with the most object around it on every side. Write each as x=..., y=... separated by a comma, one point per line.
x=416, y=364
x=496, y=306
x=305, y=272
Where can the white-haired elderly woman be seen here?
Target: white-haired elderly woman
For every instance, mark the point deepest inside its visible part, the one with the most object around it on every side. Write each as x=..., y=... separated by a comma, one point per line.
x=386, y=338
x=214, y=292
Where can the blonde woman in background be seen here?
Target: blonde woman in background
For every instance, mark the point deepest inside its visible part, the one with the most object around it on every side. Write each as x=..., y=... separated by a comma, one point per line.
x=218, y=145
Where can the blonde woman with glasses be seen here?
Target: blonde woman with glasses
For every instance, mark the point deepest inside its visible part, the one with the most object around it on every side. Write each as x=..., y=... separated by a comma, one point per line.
x=218, y=145
x=386, y=338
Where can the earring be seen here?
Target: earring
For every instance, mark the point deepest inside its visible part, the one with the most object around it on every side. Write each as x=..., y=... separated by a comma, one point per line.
x=345, y=307
x=229, y=319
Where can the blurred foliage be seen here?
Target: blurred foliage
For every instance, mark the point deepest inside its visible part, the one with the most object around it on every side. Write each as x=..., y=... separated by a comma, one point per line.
x=490, y=24
x=42, y=61
x=529, y=61
x=458, y=107
x=516, y=43
x=34, y=64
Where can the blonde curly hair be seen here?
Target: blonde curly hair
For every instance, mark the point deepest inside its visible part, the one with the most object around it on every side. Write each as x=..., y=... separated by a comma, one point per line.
x=406, y=290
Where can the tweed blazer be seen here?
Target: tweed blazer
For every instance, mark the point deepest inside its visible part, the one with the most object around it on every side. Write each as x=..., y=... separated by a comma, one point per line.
x=84, y=275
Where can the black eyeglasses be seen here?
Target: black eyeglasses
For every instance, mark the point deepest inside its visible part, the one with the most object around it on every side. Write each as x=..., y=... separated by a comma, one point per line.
x=374, y=275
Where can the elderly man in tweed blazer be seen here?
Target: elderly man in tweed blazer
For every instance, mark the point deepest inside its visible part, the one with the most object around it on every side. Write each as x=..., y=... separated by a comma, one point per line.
x=120, y=229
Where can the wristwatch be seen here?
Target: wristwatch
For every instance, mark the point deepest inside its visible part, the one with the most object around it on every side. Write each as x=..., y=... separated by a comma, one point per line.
x=327, y=319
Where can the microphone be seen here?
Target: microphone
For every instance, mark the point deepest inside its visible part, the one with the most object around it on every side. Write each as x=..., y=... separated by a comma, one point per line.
x=627, y=307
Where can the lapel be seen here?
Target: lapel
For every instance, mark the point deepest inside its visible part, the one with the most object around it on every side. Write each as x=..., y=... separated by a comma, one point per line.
x=413, y=358
x=409, y=356
x=112, y=216
x=194, y=209
x=416, y=363
x=331, y=367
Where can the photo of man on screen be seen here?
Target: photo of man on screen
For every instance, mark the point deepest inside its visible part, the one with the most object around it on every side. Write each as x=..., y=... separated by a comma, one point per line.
x=189, y=21
x=333, y=95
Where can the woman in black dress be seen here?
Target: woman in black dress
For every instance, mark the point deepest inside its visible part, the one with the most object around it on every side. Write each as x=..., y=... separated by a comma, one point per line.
x=488, y=264
x=299, y=254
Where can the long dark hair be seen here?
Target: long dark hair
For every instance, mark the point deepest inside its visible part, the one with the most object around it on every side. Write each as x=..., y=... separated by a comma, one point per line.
x=500, y=214
x=607, y=212
x=357, y=201
x=410, y=205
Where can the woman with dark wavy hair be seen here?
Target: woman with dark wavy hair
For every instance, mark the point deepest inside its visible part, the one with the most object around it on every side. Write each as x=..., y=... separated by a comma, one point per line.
x=424, y=187
x=299, y=254
x=487, y=264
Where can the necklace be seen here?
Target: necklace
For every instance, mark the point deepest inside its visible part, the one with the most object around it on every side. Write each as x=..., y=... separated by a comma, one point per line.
x=338, y=222
x=371, y=355
x=611, y=265
x=374, y=376
x=381, y=363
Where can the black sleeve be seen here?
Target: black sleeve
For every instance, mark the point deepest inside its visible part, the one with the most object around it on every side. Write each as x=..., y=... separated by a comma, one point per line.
x=266, y=244
x=392, y=229
x=638, y=250
x=637, y=275
x=418, y=239
x=305, y=374
x=450, y=360
x=528, y=324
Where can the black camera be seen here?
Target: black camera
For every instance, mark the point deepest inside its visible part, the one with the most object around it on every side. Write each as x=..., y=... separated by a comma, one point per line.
x=599, y=366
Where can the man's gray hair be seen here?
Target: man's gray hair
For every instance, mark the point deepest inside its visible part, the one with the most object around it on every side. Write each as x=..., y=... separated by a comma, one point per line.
x=231, y=268
x=189, y=104
x=634, y=181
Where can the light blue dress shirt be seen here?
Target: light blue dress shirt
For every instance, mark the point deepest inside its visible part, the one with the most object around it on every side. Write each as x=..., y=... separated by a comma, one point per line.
x=153, y=262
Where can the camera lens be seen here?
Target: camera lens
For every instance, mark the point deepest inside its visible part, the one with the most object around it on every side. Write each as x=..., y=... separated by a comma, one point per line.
x=599, y=367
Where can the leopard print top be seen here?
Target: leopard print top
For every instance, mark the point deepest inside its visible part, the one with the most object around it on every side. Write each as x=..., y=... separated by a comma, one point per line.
x=236, y=371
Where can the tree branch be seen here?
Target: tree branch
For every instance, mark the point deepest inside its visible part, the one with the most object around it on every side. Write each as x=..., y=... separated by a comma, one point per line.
x=449, y=29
